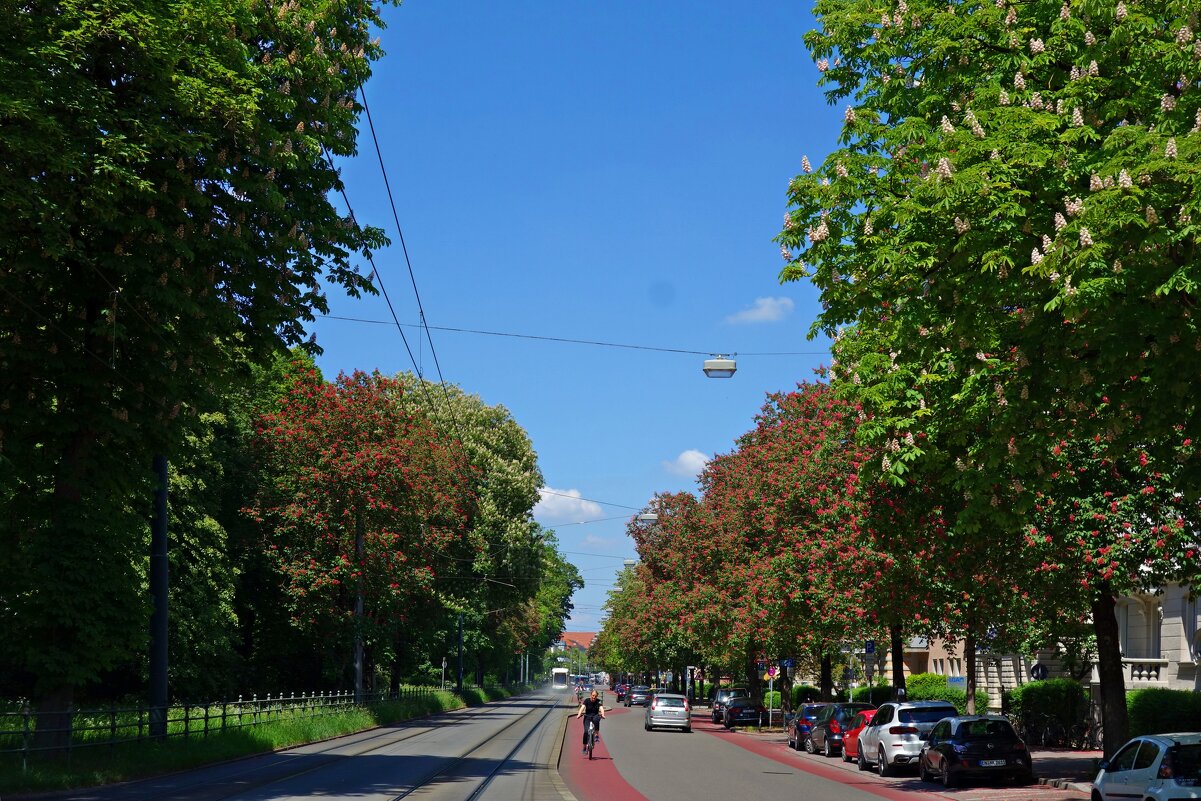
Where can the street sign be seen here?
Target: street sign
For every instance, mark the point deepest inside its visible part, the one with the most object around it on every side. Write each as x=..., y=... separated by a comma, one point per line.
x=1038, y=672
x=869, y=647
x=788, y=662
x=772, y=672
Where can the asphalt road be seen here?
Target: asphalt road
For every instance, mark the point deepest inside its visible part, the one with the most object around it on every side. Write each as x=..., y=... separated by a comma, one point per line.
x=712, y=763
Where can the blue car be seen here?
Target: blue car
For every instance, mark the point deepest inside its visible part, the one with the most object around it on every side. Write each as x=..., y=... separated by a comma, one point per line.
x=802, y=723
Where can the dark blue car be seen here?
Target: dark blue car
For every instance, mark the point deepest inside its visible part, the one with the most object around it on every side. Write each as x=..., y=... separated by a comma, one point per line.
x=801, y=724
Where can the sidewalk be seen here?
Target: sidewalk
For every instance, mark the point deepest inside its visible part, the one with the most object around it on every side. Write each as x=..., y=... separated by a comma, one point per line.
x=1066, y=769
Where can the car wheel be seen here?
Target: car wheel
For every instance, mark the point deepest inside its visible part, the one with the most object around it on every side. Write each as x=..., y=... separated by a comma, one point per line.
x=688, y=730
x=882, y=766
x=922, y=773
x=862, y=760
x=827, y=751
x=846, y=754
x=949, y=779
x=810, y=748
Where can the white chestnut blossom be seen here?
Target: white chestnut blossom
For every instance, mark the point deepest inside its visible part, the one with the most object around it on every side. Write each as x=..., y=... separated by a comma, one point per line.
x=1124, y=180
x=787, y=221
x=962, y=226
x=977, y=129
x=1152, y=217
x=820, y=233
x=995, y=155
x=823, y=65
x=849, y=115
x=1035, y=256
x=1169, y=150
x=1077, y=117
x=944, y=168
x=1060, y=222
x=1036, y=101
x=1120, y=13
x=867, y=226
x=1075, y=73
x=1184, y=35
x=1167, y=102
x=1019, y=80
x=1047, y=243
x=1197, y=122
x=946, y=125
x=805, y=165
x=1074, y=206
x=840, y=170
x=1095, y=184
x=1089, y=39
x=785, y=253
x=1011, y=17
x=1037, y=46
x=1093, y=69
x=1065, y=12
x=1086, y=239
x=885, y=20
x=1003, y=99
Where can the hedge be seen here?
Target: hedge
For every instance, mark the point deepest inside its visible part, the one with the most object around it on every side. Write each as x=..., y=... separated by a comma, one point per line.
x=1064, y=700
x=934, y=687
x=1160, y=711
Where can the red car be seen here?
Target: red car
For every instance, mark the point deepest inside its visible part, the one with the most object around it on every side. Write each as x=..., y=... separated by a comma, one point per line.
x=850, y=740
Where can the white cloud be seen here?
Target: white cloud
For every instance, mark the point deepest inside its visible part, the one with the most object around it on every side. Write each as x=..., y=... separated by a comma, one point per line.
x=688, y=463
x=564, y=506
x=593, y=541
x=765, y=310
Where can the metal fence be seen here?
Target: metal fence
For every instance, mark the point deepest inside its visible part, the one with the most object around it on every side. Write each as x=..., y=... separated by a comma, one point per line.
x=19, y=729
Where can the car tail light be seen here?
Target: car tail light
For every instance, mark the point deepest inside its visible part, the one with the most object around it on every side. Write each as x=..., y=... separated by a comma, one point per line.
x=1166, y=770
x=687, y=708
x=834, y=729
x=1019, y=746
x=903, y=730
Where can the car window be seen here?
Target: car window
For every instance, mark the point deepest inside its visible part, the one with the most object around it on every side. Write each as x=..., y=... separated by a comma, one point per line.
x=859, y=720
x=1124, y=759
x=1186, y=762
x=1146, y=755
x=925, y=714
x=985, y=730
x=672, y=702
x=824, y=714
x=883, y=715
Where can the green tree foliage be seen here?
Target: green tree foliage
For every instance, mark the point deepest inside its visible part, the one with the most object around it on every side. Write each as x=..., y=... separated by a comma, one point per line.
x=167, y=221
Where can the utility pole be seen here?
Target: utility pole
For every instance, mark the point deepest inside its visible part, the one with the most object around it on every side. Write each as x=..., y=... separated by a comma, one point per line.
x=459, y=680
x=359, y=550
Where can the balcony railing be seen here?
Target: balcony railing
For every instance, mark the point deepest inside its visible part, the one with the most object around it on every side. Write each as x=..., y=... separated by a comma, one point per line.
x=1144, y=670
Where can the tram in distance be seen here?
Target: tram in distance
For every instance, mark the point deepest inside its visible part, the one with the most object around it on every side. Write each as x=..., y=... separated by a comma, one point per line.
x=559, y=678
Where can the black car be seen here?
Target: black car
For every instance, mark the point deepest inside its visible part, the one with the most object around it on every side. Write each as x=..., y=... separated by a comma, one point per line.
x=620, y=691
x=743, y=712
x=831, y=724
x=721, y=697
x=976, y=746
x=639, y=695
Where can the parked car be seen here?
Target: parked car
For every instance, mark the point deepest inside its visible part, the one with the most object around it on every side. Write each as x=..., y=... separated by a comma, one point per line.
x=826, y=733
x=1153, y=766
x=800, y=724
x=721, y=697
x=668, y=709
x=639, y=695
x=897, y=731
x=743, y=711
x=850, y=740
x=620, y=691
x=977, y=746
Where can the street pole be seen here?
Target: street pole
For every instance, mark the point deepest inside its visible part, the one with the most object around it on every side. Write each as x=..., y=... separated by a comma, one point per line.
x=359, y=550
x=459, y=680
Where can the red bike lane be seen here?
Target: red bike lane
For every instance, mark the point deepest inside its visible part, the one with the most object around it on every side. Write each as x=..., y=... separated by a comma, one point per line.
x=596, y=779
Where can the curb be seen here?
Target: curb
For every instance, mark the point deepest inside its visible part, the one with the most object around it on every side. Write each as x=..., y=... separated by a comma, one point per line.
x=1067, y=784
x=556, y=756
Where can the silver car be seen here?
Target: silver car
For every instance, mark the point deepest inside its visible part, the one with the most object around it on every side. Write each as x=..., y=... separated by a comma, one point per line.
x=897, y=732
x=668, y=710
x=1154, y=766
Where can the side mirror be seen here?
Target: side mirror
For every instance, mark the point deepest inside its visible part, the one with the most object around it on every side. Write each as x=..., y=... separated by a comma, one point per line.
x=1103, y=764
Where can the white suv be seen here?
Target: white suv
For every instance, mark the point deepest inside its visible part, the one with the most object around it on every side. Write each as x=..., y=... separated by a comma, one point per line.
x=895, y=735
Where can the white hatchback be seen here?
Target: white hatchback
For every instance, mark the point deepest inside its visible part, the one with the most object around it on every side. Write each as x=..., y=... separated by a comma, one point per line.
x=897, y=732
x=1154, y=766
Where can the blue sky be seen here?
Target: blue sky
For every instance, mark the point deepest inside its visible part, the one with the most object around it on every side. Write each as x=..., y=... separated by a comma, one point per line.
x=611, y=172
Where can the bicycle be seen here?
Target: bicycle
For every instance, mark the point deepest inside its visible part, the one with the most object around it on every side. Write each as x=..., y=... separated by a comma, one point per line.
x=590, y=735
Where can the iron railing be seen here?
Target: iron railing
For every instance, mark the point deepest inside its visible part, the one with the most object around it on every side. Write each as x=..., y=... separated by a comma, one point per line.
x=22, y=730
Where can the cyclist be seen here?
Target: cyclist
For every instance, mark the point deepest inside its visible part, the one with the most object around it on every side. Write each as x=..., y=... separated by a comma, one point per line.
x=593, y=710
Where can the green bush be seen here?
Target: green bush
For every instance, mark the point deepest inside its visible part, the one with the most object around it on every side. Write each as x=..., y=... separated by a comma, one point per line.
x=873, y=694
x=919, y=685
x=771, y=699
x=805, y=694
x=1159, y=711
x=1063, y=700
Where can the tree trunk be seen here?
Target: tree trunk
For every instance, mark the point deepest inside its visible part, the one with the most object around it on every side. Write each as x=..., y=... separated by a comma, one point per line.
x=786, y=676
x=1109, y=669
x=52, y=710
x=896, y=648
x=827, y=678
x=969, y=659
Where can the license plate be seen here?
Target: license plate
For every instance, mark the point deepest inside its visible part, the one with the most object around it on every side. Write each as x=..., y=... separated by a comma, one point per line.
x=992, y=763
